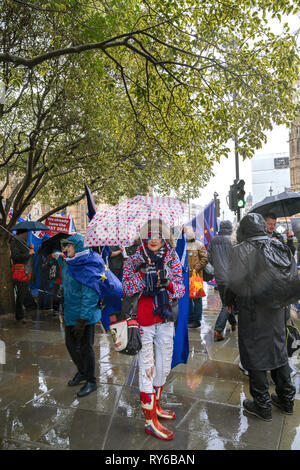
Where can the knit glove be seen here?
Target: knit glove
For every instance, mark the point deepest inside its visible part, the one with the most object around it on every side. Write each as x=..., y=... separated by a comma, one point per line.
x=78, y=329
x=139, y=263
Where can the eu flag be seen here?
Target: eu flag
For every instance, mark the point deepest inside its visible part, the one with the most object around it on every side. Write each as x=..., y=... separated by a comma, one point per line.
x=91, y=271
x=210, y=223
x=181, y=339
x=205, y=224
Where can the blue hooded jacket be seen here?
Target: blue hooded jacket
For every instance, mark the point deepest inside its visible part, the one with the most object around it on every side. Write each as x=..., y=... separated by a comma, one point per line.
x=80, y=301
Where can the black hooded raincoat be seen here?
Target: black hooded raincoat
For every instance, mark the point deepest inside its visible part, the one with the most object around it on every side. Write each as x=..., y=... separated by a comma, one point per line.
x=262, y=329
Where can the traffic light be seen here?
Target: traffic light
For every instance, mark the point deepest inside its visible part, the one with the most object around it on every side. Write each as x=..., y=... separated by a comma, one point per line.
x=217, y=204
x=237, y=195
x=232, y=198
x=240, y=194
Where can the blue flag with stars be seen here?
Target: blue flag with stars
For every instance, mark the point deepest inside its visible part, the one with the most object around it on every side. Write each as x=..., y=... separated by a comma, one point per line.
x=205, y=224
x=91, y=271
x=181, y=338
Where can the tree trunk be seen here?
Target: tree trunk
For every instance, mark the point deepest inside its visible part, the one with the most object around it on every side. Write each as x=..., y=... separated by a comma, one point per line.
x=7, y=301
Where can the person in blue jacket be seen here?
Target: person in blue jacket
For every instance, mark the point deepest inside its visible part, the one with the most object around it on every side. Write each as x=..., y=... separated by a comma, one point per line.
x=81, y=313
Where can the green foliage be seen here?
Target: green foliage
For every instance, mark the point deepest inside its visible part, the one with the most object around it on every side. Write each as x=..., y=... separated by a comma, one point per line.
x=154, y=102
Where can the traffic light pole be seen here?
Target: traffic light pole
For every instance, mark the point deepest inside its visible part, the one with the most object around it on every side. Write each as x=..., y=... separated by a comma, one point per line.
x=237, y=172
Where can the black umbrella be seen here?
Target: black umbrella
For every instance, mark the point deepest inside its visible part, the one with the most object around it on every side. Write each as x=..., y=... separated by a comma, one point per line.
x=51, y=244
x=281, y=205
x=296, y=227
x=31, y=226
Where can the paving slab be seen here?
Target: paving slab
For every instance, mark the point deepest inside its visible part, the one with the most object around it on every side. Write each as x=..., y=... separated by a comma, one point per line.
x=39, y=411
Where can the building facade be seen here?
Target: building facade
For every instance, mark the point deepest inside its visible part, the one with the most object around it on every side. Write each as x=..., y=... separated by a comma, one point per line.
x=294, y=142
x=191, y=210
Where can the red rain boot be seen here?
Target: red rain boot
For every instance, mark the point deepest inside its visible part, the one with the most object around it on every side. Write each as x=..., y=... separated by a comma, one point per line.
x=152, y=425
x=164, y=414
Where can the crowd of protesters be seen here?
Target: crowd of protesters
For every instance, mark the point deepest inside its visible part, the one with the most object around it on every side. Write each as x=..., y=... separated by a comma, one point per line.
x=151, y=271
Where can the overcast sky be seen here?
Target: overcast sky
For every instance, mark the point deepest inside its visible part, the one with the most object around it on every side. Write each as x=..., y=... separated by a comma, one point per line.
x=277, y=142
x=225, y=170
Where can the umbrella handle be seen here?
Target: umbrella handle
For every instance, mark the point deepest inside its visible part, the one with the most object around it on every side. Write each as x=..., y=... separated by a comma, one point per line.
x=287, y=224
x=149, y=262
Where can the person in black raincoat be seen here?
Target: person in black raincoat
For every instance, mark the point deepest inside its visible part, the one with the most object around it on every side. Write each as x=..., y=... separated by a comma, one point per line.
x=262, y=328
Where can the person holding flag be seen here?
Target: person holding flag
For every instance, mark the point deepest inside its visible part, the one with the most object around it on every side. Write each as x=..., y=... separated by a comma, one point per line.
x=86, y=280
x=154, y=274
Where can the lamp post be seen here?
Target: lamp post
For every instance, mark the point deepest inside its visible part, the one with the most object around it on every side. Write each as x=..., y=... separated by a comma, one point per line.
x=237, y=172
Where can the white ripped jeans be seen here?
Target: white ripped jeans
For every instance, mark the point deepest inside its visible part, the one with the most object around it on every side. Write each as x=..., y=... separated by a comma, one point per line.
x=150, y=373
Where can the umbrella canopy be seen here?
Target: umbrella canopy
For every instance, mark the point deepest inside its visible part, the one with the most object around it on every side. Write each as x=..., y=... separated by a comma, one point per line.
x=284, y=204
x=120, y=224
x=51, y=244
x=31, y=226
x=296, y=227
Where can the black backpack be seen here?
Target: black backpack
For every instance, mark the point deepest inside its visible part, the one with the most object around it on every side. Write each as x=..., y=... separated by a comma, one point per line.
x=276, y=282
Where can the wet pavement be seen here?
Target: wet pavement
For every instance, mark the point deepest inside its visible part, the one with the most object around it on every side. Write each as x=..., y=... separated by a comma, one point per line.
x=39, y=411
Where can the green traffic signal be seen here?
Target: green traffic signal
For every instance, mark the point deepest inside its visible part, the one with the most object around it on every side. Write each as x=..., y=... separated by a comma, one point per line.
x=240, y=194
x=237, y=195
x=241, y=203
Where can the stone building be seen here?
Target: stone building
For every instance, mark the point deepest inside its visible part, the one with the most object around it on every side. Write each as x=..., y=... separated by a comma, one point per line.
x=294, y=142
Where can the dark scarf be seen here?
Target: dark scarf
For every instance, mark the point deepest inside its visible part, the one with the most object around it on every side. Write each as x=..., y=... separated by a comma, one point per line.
x=159, y=294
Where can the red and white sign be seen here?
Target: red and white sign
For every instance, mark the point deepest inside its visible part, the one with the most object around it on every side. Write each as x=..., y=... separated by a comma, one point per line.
x=58, y=225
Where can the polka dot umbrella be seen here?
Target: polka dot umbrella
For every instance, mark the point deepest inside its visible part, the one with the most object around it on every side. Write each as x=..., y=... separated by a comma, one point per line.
x=119, y=225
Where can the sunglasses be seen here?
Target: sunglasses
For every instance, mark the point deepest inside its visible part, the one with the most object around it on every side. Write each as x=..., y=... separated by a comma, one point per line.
x=154, y=236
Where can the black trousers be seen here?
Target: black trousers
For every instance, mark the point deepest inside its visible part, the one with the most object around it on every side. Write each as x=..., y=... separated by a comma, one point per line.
x=259, y=386
x=23, y=298
x=82, y=351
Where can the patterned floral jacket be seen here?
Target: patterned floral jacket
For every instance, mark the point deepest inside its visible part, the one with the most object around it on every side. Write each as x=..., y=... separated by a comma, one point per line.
x=133, y=281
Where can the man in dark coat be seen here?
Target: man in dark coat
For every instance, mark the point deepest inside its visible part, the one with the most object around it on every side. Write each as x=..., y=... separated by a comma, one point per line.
x=218, y=255
x=116, y=261
x=262, y=331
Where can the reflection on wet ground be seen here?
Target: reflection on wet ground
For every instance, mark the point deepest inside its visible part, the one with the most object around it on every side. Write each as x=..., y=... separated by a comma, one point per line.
x=39, y=411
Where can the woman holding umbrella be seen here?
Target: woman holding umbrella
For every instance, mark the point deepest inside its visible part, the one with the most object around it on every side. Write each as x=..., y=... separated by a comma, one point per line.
x=154, y=275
